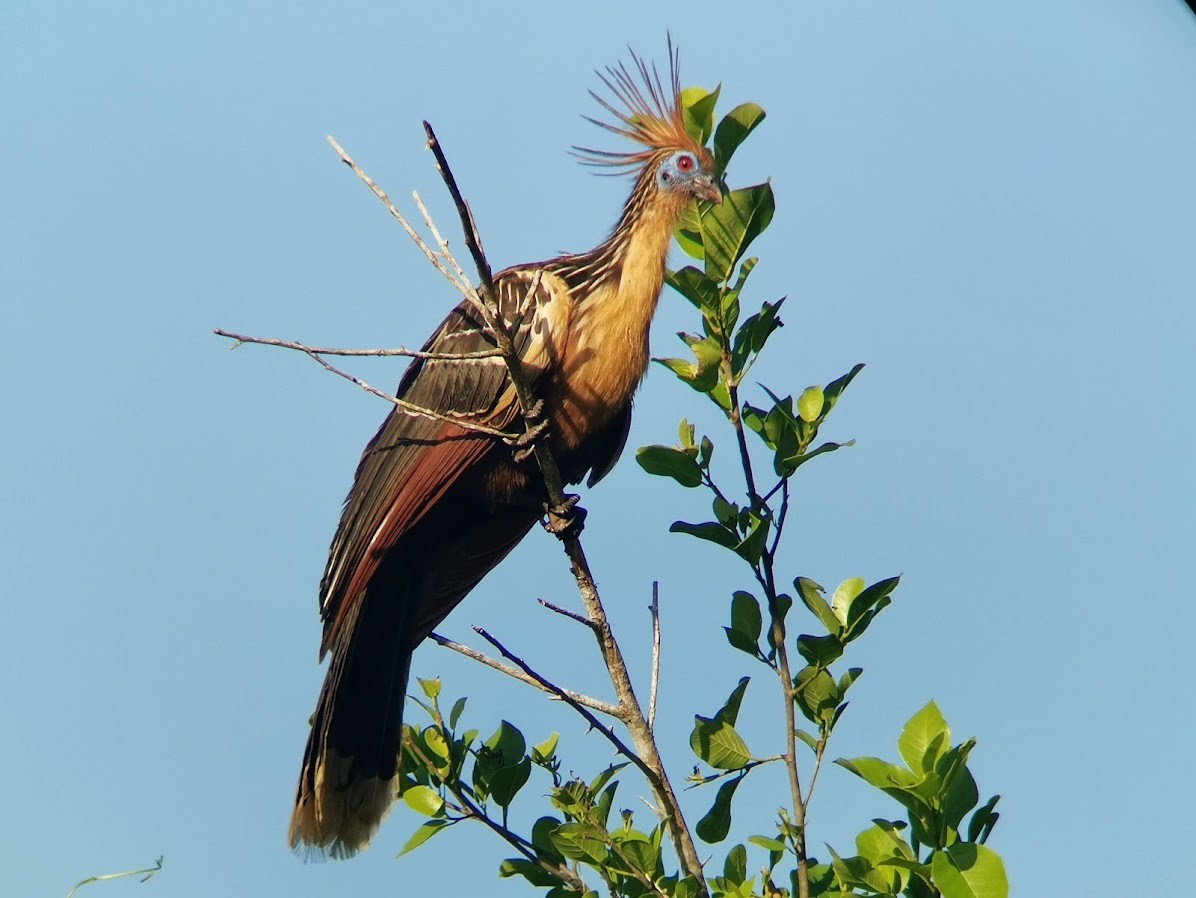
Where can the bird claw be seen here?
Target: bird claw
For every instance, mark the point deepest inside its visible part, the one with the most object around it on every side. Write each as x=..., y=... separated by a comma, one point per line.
x=567, y=519
x=525, y=443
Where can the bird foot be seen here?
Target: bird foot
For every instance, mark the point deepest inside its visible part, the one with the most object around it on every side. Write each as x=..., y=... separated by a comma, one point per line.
x=567, y=520
x=525, y=444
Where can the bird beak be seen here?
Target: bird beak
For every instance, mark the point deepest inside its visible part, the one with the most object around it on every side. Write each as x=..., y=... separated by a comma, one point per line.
x=705, y=188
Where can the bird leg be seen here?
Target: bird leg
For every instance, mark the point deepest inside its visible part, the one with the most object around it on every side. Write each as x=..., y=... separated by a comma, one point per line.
x=536, y=426
x=566, y=520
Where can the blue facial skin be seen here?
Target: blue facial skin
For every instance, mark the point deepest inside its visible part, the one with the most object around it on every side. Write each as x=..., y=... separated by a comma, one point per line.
x=677, y=171
x=683, y=172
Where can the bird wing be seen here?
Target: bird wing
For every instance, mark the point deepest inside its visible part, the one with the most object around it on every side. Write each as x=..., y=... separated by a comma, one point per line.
x=413, y=459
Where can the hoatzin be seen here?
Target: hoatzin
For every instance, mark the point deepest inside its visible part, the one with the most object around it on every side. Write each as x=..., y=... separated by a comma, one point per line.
x=435, y=506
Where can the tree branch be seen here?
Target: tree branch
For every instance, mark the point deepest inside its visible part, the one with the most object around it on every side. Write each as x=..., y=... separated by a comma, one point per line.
x=600, y=706
x=380, y=353
x=654, y=610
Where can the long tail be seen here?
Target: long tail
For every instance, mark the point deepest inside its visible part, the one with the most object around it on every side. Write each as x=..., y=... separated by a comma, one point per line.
x=349, y=776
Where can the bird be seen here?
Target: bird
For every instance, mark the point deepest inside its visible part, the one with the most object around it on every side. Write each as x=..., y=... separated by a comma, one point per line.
x=436, y=504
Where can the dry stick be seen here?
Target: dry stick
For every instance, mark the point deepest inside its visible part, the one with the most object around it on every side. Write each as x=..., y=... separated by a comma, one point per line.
x=572, y=615
x=632, y=715
x=654, y=609
x=611, y=736
x=601, y=707
x=376, y=353
x=402, y=404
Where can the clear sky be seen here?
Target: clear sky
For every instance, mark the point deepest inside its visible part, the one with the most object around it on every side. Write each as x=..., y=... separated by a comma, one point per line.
x=991, y=204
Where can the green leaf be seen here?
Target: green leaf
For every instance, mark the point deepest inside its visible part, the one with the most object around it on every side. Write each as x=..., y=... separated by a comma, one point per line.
x=718, y=744
x=811, y=596
x=742, y=641
x=836, y=387
x=849, y=677
x=924, y=739
x=695, y=286
x=424, y=800
x=436, y=744
x=733, y=130
x=431, y=688
x=793, y=462
x=969, y=871
x=425, y=832
x=751, y=547
x=879, y=774
x=729, y=228
x=507, y=781
x=729, y=712
x=697, y=109
x=715, y=533
x=809, y=404
x=533, y=873
x=807, y=739
x=817, y=694
x=821, y=651
x=767, y=843
x=983, y=821
x=542, y=831
x=508, y=743
x=665, y=461
x=605, y=776
x=735, y=866
x=844, y=594
x=875, y=598
x=546, y=749
x=755, y=331
x=455, y=714
x=579, y=842
x=746, y=616
x=688, y=232
x=715, y=825
x=642, y=854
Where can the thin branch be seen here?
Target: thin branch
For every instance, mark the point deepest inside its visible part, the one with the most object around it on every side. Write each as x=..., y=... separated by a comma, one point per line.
x=572, y=615
x=380, y=353
x=402, y=404
x=515, y=673
x=145, y=873
x=620, y=746
x=398, y=216
x=755, y=762
x=654, y=610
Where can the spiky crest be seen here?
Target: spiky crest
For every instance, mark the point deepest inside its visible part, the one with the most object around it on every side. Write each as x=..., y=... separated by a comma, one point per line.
x=650, y=114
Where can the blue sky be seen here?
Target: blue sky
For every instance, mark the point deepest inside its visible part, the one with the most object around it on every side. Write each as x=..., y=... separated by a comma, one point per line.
x=993, y=205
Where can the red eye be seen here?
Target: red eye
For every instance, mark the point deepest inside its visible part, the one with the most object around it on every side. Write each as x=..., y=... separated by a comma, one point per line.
x=685, y=163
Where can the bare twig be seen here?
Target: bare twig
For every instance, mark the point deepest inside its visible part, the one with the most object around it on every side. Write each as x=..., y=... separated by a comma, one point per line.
x=654, y=610
x=755, y=762
x=515, y=673
x=465, y=288
x=402, y=404
x=611, y=736
x=572, y=615
x=378, y=353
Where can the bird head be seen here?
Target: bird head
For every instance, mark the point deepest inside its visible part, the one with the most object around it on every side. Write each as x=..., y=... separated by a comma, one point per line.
x=651, y=115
